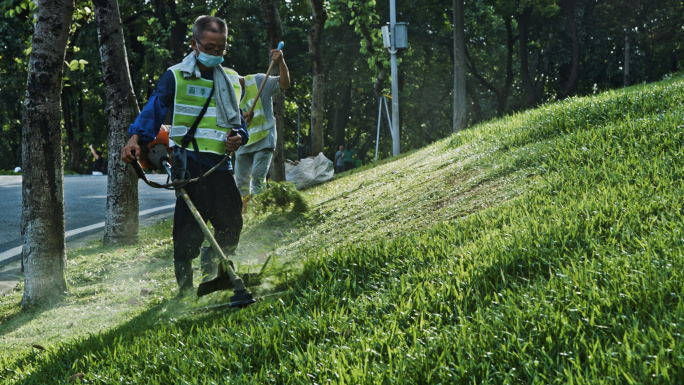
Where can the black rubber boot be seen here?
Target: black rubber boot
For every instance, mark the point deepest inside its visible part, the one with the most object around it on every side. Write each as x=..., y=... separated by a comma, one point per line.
x=209, y=264
x=184, y=276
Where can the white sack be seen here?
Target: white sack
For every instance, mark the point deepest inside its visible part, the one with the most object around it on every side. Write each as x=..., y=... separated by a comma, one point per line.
x=310, y=171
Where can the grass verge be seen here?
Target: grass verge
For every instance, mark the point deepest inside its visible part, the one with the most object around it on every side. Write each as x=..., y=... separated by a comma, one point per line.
x=541, y=248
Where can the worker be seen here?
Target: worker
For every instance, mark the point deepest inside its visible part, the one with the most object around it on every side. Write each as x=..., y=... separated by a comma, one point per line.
x=184, y=89
x=99, y=166
x=339, y=160
x=253, y=159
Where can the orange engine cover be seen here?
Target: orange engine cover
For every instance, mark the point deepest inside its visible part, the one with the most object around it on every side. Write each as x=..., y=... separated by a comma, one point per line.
x=163, y=139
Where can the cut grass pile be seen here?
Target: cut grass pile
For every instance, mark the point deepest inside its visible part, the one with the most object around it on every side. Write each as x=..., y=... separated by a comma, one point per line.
x=541, y=248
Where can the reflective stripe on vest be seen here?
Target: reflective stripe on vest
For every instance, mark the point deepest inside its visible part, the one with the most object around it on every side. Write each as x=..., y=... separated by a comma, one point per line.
x=258, y=127
x=201, y=133
x=191, y=95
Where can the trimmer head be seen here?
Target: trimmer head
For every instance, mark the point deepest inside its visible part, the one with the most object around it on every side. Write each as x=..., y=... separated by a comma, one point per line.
x=242, y=299
x=221, y=282
x=216, y=284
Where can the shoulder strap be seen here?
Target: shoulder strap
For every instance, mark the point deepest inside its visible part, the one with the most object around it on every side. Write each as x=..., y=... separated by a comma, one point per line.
x=190, y=135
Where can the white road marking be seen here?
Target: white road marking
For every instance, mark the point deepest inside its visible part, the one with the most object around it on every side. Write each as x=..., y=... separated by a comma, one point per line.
x=17, y=250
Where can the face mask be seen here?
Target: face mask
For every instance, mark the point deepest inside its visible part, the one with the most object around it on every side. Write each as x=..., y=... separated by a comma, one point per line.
x=209, y=60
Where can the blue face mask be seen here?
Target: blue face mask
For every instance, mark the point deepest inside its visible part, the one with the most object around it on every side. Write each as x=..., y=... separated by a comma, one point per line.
x=209, y=60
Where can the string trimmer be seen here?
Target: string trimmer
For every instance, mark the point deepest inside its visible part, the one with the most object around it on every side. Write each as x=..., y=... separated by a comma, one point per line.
x=158, y=156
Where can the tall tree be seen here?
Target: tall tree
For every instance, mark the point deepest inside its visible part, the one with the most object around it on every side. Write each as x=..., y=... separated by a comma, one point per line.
x=318, y=87
x=73, y=135
x=500, y=92
x=42, y=219
x=524, y=20
x=459, y=121
x=121, y=220
x=274, y=34
x=571, y=84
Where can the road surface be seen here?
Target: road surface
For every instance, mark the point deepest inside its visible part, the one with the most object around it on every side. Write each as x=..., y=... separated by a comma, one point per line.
x=85, y=199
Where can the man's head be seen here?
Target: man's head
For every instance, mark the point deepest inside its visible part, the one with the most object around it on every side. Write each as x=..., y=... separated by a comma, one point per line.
x=341, y=147
x=209, y=35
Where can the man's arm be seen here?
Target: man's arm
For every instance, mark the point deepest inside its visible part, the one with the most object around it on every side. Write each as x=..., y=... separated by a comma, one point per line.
x=147, y=124
x=144, y=129
x=92, y=150
x=242, y=137
x=277, y=56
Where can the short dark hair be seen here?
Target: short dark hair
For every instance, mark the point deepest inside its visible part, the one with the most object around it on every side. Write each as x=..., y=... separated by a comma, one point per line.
x=206, y=23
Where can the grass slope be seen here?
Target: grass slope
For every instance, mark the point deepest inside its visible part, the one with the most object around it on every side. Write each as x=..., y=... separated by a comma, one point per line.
x=541, y=248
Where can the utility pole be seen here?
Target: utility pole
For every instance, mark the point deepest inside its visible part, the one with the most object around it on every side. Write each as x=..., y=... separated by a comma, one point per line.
x=394, y=38
x=396, y=147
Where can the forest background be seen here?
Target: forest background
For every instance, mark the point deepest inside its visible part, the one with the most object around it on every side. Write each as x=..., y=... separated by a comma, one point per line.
x=519, y=54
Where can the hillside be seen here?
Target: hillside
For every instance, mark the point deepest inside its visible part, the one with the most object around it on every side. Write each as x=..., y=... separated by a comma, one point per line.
x=545, y=247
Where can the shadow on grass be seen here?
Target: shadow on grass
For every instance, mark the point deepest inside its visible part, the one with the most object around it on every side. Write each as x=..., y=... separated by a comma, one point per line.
x=83, y=281
x=54, y=365
x=57, y=360
x=26, y=316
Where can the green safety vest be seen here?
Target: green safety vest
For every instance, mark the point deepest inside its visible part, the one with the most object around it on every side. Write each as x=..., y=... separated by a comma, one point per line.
x=258, y=127
x=191, y=95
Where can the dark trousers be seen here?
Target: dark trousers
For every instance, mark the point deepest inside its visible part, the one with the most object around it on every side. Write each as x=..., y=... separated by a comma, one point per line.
x=218, y=201
x=339, y=169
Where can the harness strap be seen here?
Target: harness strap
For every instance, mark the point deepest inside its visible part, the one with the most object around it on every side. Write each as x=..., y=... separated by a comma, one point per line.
x=189, y=137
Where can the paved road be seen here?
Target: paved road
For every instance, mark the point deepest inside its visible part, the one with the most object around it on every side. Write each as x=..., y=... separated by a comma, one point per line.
x=85, y=199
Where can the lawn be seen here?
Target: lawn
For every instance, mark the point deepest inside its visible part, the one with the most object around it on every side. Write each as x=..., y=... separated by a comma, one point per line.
x=545, y=247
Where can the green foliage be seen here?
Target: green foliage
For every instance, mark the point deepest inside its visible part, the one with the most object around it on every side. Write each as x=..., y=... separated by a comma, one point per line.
x=75, y=65
x=157, y=35
x=281, y=197
x=15, y=8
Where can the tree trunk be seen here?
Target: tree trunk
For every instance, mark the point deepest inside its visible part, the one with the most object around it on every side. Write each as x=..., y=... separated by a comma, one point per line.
x=523, y=26
x=501, y=95
x=121, y=221
x=625, y=67
x=477, y=108
x=502, y=100
x=318, y=88
x=382, y=71
x=460, y=121
x=574, y=71
x=42, y=219
x=68, y=129
x=341, y=117
x=274, y=34
x=177, y=44
x=78, y=139
x=74, y=159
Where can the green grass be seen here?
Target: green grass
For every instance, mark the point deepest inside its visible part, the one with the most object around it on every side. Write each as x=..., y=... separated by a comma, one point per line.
x=545, y=247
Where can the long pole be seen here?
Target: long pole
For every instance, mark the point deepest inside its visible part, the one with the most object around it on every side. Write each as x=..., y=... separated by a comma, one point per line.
x=377, y=137
x=261, y=87
x=389, y=122
x=299, y=128
x=396, y=148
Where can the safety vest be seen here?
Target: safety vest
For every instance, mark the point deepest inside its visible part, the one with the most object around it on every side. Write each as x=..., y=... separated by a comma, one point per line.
x=258, y=127
x=191, y=95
